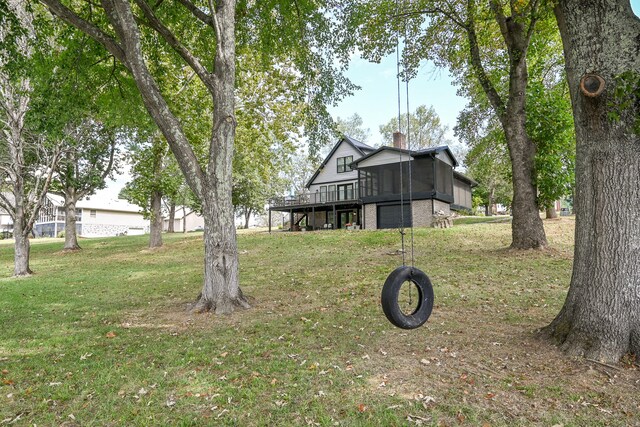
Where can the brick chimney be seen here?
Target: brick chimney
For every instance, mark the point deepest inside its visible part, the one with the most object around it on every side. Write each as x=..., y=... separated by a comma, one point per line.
x=399, y=140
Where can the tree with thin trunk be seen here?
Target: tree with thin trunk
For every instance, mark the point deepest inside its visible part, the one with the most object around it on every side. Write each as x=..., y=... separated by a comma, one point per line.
x=150, y=181
x=27, y=161
x=600, y=318
x=89, y=159
x=425, y=128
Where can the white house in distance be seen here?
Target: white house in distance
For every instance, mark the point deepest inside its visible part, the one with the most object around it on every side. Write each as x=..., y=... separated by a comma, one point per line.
x=96, y=217
x=185, y=219
x=363, y=187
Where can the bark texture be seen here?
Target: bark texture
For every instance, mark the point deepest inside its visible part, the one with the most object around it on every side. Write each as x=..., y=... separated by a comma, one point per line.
x=155, y=228
x=600, y=318
x=551, y=213
x=70, y=234
x=171, y=228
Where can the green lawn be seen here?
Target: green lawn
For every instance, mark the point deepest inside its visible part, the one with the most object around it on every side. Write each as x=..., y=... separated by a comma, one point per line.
x=102, y=337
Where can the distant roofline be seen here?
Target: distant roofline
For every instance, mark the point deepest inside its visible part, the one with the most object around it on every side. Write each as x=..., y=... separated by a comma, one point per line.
x=431, y=151
x=361, y=147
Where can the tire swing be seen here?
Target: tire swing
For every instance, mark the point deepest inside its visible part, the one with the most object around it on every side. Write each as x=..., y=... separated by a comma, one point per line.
x=403, y=280
x=391, y=292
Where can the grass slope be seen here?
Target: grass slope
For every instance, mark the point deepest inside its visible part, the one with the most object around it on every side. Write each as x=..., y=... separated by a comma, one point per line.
x=101, y=337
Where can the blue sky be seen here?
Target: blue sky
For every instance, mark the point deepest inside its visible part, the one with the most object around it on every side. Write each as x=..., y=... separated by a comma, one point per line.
x=377, y=102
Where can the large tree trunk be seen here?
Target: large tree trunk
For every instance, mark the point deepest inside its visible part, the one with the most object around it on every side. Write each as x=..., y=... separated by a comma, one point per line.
x=601, y=315
x=155, y=229
x=527, y=229
x=221, y=290
x=70, y=235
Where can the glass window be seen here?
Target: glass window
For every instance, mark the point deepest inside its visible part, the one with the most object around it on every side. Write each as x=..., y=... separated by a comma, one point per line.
x=323, y=193
x=92, y=213
x=344, y=164
x=332, y=193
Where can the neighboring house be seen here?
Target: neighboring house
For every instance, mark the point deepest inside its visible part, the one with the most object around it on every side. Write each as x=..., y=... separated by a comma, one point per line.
x=185, y=219
x=360, y=186
x=96, y=217
x=6, y=223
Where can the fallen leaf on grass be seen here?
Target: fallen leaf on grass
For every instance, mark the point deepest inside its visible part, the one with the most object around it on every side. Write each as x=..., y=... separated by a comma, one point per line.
x=7, y=381
x=110, y=334
x=362, y=407
x=5, y=372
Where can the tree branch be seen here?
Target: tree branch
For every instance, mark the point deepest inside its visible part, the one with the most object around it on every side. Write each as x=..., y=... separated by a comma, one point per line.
x=534, y=7
x=43, y=192
x=476, y=62
x=498, y=13
x=216, y=26
x=435, y=11
x=71, y=18
x=6, y=204
x=198, y=13
x=175, y=44
x=124, y=22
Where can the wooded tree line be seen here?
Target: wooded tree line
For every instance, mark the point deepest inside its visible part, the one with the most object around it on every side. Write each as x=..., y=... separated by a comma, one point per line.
x=225, y=86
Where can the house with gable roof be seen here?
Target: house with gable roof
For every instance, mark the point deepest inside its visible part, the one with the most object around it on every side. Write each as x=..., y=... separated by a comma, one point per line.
x=362, y=187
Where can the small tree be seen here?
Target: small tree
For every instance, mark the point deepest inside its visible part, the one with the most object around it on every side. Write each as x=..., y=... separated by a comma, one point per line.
x=27, y=160
x=353, y=126
x=89, y=159
x=425, y=128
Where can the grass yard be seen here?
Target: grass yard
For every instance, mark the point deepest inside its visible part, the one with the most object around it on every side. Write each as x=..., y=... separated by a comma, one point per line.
x=102, y=338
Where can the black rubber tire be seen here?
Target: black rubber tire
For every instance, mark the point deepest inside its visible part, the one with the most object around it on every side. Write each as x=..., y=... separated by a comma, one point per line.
x=391, y=291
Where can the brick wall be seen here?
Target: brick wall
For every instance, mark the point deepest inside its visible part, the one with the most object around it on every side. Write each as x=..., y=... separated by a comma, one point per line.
x=421, y=213
x=371, y=216
x=441, y=206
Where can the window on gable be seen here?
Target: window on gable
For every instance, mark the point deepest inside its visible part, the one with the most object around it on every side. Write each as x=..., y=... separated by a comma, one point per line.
x=344, y=164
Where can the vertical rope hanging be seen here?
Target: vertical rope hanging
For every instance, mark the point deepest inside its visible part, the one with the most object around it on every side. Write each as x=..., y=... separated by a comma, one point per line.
x=402, y=232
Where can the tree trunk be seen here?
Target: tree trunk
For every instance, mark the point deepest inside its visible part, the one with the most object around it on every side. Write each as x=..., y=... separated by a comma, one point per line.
x=600, y=318
x=184, y=219
x=221, y=290
x=70, y=235
x=21, y=243
x=155, y=237
x=172, y=218
x=551, y=212
x=527, y=229
x=247, y=217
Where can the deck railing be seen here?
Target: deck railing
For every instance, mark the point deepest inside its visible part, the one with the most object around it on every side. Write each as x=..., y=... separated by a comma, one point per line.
x=317, y=198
